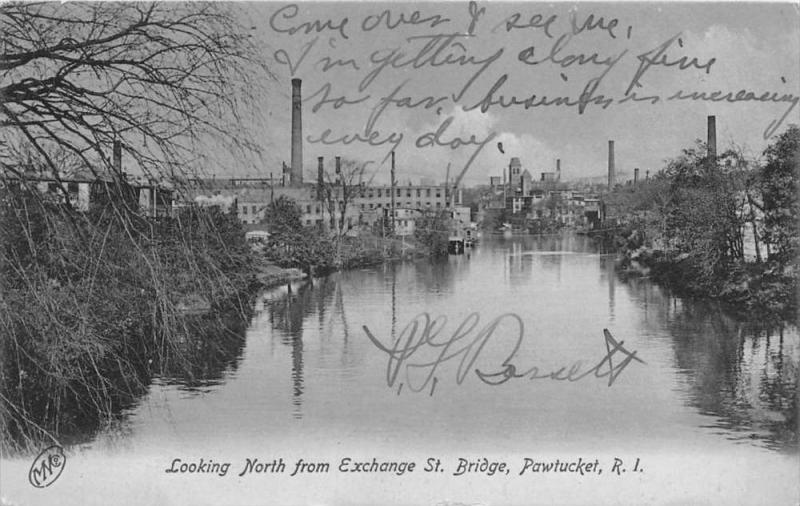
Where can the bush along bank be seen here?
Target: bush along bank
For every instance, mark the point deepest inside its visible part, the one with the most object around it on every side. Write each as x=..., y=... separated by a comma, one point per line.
x=767, y=289
x=94, y=305
x=717, y=226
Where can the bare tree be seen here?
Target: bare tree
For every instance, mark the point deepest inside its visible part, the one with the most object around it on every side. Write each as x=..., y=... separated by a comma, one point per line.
x=165, y=78
x=338, y=192
x=81, y=291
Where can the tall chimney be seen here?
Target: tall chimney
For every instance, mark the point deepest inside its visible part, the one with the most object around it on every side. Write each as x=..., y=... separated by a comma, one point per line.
x=558, y=169
x=636, y=175
x=712, y=137
x=611, y=165
x=297, y=134
x=320, y=178
x=647, y=175
x=118, y=157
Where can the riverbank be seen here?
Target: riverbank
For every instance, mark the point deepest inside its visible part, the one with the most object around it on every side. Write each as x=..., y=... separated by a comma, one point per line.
x=268, y=275
x=95, y=305
x=314, y=254
x=764, y=288
x=721, y=227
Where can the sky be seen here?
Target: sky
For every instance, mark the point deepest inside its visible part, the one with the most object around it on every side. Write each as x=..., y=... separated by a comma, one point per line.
x=555, y=51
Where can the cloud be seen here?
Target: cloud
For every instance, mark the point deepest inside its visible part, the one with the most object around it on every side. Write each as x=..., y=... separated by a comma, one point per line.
x=432, y=161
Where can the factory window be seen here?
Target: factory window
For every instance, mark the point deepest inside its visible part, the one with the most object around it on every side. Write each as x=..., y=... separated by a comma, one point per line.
x=308, y=209
x=244, y=209
x=379, y=193
x=398, y=192
x=438, y=205
x=308, y=222
x=419, y=193
x=370, y=194
x=408, y=193
x=378, y=204
x=253, y=209
x=362, y=206
x=438, y=194
x=428, y=192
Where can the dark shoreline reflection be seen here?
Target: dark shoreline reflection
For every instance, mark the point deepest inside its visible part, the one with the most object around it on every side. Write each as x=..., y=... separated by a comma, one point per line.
x=203, y=349
x=742, y=373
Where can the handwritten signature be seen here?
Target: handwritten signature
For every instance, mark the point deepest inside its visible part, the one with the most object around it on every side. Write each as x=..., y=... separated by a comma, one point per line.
x=424, y=335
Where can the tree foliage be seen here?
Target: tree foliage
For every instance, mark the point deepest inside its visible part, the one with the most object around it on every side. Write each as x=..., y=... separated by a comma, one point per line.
x=283, y=218
x=781, y=204
x=432, y=231
x=704, y=216
x=291, y=244
x=692, y=218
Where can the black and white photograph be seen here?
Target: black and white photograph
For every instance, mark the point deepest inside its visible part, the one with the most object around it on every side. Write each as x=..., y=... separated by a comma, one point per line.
x=453, y=253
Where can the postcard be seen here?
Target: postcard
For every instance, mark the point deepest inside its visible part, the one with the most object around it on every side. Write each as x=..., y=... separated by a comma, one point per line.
x=402, y=253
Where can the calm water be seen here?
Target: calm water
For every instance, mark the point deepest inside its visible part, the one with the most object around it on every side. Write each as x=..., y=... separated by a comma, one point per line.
x=711, y=413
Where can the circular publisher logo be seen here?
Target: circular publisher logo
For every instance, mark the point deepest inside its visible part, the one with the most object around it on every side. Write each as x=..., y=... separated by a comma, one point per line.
x=47, y=467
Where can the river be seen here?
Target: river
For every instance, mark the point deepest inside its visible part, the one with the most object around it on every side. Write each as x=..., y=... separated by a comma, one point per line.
x=708, y=404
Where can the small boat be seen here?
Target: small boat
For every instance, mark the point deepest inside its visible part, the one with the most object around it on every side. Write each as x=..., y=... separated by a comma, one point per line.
x=470, y=236
x=455, y=245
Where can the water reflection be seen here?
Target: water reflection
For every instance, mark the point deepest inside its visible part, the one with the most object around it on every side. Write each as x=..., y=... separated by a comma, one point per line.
x=307, y=358
x=286, y=316
x=42, y=408
x=290, y=313
x=206, y=349
x=741, y=373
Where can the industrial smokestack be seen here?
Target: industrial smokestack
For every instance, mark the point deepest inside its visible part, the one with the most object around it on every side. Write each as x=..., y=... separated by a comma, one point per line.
x=712, y=137
x=611, y=175
x=320, y=177
x=636, y=175
x=297, y=134
x=338, y=164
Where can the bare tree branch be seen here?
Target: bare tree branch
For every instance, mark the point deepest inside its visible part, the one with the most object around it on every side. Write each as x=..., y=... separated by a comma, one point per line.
x=162, y=77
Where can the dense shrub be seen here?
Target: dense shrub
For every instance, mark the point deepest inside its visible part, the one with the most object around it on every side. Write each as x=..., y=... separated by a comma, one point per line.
x=93, y=304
